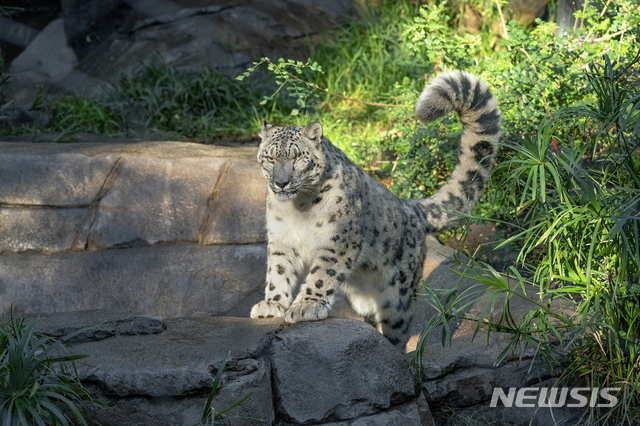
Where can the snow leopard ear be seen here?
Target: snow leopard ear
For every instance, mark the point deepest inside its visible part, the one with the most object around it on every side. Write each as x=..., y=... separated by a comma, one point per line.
x=264, y=129
x=313, y=132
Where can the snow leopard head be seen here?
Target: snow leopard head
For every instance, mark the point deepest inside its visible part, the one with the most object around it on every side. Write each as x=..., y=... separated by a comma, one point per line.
x=291, y=158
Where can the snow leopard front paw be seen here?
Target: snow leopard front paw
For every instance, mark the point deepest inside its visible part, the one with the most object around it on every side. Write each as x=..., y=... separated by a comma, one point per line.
x=306, y=311
x=266, y=309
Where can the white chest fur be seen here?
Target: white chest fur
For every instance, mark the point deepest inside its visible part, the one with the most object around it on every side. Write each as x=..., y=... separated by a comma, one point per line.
x=292, y=227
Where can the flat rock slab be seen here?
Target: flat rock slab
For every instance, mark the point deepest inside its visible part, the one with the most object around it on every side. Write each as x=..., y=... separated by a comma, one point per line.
x=171, y=281
x=461, y=379
x=98, y=324
x=464, y=374
x=155, y=200
x=61, y=197
x=337, y=371
x=51, y=175
x=42, y=230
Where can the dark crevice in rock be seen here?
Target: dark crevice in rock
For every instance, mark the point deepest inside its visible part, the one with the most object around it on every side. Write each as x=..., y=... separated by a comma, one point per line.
x=217, y=187
x=138, y=325
x=180, y=15
x=138, y=243
x=302, y=36
x=83, y=236
x=43, y=206
x=329, y=419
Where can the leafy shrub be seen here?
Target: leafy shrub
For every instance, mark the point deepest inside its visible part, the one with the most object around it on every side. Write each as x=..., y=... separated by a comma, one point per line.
x=534, y=74
x=35, y=386
x=576, y=229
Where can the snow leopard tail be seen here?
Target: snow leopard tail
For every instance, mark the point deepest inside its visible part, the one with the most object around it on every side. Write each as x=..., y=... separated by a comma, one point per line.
x=481, y=121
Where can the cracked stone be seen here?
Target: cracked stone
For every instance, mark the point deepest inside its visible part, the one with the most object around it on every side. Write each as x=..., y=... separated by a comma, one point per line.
x=105, y=324
x=238, y=210
x=36, y=174
x=153, y=200
x=165, y=378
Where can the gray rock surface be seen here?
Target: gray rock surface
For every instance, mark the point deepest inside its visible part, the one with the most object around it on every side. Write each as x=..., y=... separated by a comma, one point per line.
x=48, y=56
x=459, y=380
x=339, y=370
x=105, y=38
x=155, y=200
x=51, y=175
x=175, y=229
x=237, y=206
x=165, y=378
x=16, y=33
x=43, y=230
x=220, y=33
x=89, y=22
x=171, y=281
x=319, y=381
x=103, y=324
x=404, y=415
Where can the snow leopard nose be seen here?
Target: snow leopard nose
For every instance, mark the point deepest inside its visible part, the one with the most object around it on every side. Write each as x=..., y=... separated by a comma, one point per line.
x=282, y=183
x=282, y=175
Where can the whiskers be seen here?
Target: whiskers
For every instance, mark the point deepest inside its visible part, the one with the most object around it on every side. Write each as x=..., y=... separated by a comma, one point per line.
x=308, y=189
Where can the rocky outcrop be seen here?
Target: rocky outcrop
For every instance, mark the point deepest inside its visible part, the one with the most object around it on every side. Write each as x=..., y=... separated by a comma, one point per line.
x=153, y=372
x=458, y=382
x=95, y=41
x=170, y=228
x=146, y=370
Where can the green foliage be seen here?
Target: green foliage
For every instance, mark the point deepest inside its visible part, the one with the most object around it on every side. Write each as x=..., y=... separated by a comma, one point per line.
x=35, y=386
x=212, y=417
x=158, y=100
x=434, y=41
x=576, y=227
x=533, y=74
x=283, y=71
x=74, y=114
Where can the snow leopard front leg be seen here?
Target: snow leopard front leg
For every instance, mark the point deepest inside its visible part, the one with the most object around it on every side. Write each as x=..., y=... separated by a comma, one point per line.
x=331, y=267
x=282, y=265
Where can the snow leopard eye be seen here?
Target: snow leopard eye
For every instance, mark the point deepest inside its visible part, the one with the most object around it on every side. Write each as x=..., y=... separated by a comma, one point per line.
x=270, y=159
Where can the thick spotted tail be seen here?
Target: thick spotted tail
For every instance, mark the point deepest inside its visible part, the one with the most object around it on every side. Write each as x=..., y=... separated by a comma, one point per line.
x=481, y=121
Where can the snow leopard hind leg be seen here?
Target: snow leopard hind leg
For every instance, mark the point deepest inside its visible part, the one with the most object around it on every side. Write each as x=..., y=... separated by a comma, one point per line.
x=470, y=97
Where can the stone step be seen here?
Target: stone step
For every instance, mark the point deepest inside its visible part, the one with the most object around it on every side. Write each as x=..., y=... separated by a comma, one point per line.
x=338, y=371
x=172, y=228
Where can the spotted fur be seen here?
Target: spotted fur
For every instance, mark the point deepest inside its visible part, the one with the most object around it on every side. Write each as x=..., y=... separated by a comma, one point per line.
x=332, y=228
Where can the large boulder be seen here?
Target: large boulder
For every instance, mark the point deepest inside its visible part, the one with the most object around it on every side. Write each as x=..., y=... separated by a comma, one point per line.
x=149, y=371
x=47, y=57
x=459, y=380
x=95, y=41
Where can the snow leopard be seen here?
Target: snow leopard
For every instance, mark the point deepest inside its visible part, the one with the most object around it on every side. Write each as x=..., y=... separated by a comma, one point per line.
x=333, y=229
